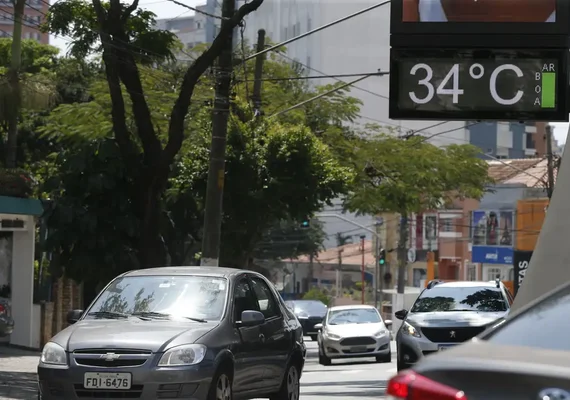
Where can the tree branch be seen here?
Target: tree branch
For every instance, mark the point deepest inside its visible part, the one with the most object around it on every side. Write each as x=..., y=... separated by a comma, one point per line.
x=198, y=67
x=129, y=10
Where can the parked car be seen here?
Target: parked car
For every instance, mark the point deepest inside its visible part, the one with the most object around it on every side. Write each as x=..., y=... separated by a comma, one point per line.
x=446, y=314
x=309, y=313
x=178, y=332
x=6, y=320
x=354, y=331
x=525, y=356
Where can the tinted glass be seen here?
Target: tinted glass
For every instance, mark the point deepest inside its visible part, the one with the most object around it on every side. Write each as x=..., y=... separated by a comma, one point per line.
x=460, y=299
x=183, y=296
x=353, y=316
x=544, y=326
x=316, y=308
x=265, y=298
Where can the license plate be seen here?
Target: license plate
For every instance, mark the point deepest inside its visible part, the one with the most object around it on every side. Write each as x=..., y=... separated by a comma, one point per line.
x=107, y=380
x=441, y=348
x=359, y=349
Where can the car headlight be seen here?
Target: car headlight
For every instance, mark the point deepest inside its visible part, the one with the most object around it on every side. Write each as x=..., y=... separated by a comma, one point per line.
x=187, y=354
x=410, y=330
x=381, y=333
x=53, y=354
x=332, y=336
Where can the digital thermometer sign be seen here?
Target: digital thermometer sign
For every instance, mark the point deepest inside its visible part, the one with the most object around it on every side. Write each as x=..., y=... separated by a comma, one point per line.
x=462, y=84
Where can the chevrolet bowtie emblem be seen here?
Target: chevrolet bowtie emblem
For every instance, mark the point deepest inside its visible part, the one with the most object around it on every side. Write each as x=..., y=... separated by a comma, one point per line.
x=452, y=334
x=110, y=356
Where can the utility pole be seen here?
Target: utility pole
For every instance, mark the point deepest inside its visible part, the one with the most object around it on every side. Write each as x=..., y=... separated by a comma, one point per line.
x=362, y=243
x=258, y=73
x=377, y=272
x=549, y=161
x=216, y=172
x=402, y=253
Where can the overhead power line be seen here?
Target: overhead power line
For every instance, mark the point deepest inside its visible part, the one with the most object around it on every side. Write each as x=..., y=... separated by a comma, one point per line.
x=302, y=78
x=320, y=28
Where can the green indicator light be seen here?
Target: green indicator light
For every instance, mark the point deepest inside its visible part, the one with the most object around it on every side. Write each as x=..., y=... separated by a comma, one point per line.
x=382, y=262
x=548, y=90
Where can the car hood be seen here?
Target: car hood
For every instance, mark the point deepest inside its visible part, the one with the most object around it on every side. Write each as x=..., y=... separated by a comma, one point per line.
x=130, y=334
x=453, y=318
x=351, y=330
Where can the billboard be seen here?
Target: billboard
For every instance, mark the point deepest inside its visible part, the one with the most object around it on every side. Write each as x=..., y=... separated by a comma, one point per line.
x=545, y=17
x=492, y=236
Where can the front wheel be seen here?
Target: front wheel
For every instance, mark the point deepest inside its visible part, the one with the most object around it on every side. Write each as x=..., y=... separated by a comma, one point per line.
x=291, y=387
x=314, y=338
x=384, y=359
x=221, y=387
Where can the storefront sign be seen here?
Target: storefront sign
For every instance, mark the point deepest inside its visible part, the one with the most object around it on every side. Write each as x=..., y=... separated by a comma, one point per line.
x=521, y=260
x=492, y=255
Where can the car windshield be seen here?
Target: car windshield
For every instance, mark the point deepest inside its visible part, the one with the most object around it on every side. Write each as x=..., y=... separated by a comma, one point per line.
x=353, y=316
x=316, y=308
x=189, y=296
x=460, y=299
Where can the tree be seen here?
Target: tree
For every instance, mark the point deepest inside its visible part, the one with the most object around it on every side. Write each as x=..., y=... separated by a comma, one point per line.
x=127, y=39
x=26, y=81
x=286, y=240
x=412, y=176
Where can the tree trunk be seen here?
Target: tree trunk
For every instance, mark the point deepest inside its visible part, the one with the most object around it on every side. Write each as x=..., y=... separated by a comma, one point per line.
x=14, y=82
x=402, y=252
x=152, y=249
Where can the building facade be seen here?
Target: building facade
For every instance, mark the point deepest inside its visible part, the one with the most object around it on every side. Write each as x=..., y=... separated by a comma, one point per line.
x=34, y=14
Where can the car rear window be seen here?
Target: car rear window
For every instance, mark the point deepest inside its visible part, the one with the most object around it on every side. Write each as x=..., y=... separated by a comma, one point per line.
x=545, y=325
x=471, y=298
x=310, y=307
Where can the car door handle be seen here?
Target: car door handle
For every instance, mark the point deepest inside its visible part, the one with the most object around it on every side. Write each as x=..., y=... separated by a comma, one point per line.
x=262, y=337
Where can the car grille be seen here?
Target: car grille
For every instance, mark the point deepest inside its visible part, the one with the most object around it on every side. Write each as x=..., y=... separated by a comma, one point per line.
x=134, y=392
x=357, y=341
x=123, y=357
x=452, y=335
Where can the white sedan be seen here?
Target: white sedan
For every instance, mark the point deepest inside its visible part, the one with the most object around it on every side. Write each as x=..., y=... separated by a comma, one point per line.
x=354, y=331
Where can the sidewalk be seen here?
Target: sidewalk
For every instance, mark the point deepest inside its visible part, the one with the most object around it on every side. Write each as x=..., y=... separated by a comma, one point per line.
x=18, y=379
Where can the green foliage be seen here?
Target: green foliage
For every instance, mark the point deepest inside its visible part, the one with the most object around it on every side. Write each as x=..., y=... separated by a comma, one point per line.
x=36, y=57
x=92, y=225
x=317, y=294
x=77, y=19
x=407, y=176
x=285, y=240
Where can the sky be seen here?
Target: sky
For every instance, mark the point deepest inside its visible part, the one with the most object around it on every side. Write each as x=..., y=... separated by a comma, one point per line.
x=167, y=9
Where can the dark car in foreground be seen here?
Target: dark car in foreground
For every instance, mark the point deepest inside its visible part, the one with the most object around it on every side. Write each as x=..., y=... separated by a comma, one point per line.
x=526, y=356
x=178, y=332
x=446, y=314
x=309, y=313
x=6, y=320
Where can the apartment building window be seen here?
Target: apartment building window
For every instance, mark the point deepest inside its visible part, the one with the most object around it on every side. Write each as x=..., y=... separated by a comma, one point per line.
x=27, y=35
x=37, y=36
x=530, y=141
x=447, y=225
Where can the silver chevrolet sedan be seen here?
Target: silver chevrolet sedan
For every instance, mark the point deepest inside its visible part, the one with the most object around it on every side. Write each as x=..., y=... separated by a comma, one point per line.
x=181, y=332
x=354, y=331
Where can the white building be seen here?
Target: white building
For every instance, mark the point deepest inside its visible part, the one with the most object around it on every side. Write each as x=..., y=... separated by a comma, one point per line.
x=358, y=45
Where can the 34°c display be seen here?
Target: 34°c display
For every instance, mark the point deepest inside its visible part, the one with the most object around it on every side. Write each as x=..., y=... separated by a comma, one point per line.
x=463, y=84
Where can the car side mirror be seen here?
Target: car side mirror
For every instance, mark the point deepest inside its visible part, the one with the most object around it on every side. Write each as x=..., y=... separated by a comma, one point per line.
x=318, y=326
x=388, y=323
x=401, y=314
x=252, y=318
x=73, y=316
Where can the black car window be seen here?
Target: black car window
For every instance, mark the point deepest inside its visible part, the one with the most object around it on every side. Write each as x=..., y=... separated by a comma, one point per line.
x=267, y=304
x=458, y=298
x=544, y=326
x=310, y=307
x=244, y=300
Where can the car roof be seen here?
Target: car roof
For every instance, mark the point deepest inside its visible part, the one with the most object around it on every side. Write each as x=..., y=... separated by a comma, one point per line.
x=461, y=284
x=219, y=272
x=351, y=307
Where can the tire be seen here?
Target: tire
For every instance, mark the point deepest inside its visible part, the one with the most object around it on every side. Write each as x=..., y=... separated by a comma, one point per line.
x=384, y=359
x=323, y=359
x=291, y=387
x=314, y=338
x=400, y=365
x=221, y=386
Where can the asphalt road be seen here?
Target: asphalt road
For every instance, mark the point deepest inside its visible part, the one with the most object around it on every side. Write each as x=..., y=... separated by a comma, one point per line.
x=362, y=380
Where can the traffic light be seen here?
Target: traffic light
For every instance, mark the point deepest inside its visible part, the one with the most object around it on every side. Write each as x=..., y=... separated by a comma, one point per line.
x=305, y=223
x=382, y=257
